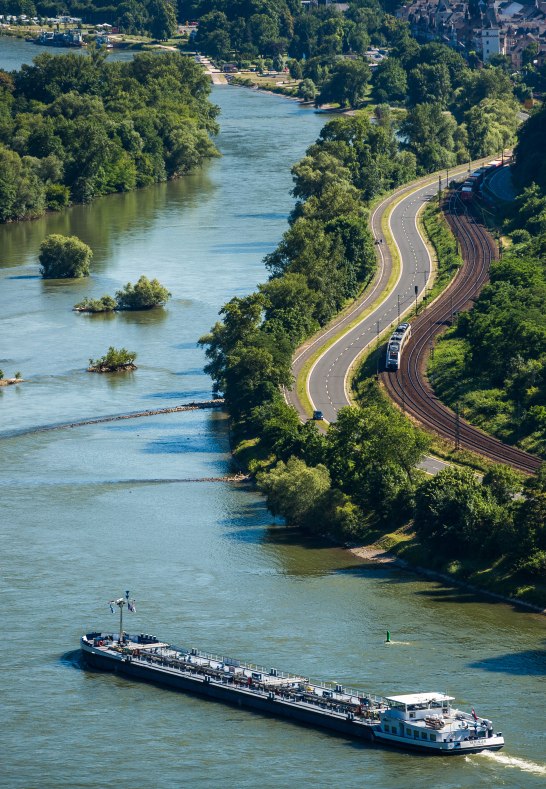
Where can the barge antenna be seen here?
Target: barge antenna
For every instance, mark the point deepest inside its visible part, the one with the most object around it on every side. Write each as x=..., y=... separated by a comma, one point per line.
x=120, y=602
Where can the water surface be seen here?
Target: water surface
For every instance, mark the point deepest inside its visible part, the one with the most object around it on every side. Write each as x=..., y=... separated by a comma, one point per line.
x=91, y=511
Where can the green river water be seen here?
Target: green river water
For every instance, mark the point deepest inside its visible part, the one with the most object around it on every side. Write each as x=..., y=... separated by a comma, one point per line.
x=88, y=512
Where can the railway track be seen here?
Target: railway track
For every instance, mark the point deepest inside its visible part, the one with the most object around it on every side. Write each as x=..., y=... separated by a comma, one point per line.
x=409, y=386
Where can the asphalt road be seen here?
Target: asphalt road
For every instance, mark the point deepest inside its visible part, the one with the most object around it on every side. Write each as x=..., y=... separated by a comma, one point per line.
x=327, y=379
x=327, y=388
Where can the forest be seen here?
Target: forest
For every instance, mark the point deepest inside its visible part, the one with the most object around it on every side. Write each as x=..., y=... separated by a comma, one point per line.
x=73, y=128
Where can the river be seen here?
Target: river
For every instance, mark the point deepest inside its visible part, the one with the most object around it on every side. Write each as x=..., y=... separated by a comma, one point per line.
x=91, y=511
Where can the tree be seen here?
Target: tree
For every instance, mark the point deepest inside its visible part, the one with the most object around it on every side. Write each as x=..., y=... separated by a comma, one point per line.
x=430, y=133
x=390, y=81
x=456, y=511
x=372, y=454
x=429, y=83
x=491, y=126
x=64, y=257
x=503, y=482
x=162, y=19
x=307, y=90
x=294, y=489
x=346, y=84
x=142, y=296
x=114, y=360
x=294, y=66
x=104, y=304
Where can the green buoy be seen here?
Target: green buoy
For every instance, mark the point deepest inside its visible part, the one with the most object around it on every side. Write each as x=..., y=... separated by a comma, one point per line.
x=388, y=641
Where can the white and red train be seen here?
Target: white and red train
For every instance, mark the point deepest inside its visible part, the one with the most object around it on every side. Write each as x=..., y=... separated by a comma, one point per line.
x=473, y=183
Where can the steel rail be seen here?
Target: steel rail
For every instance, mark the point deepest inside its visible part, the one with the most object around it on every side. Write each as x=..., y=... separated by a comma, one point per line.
x=409, y=386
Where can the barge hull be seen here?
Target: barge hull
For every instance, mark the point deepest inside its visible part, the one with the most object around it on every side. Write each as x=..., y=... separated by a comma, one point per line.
x=355, y=729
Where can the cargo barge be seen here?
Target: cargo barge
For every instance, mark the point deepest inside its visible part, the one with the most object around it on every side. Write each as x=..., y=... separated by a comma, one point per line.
x=424, y=722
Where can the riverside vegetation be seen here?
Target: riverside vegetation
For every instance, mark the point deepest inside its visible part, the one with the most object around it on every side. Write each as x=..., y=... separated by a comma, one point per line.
x=114, y=360
x=64, y=257
x=454, y=109
x=359, y=481
x=73, y=128
x=144, y=295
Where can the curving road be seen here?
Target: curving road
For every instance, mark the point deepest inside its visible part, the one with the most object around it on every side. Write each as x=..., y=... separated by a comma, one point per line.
x=373, y=312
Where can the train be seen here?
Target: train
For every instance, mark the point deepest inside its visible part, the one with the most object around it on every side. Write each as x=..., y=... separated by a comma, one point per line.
x=396, y=344
x=474, y=182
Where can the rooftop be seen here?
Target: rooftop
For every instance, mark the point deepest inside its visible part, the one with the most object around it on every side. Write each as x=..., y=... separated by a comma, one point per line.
x=419, y=698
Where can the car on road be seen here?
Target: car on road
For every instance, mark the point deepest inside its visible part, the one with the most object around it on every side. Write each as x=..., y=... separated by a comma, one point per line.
x=318, y=415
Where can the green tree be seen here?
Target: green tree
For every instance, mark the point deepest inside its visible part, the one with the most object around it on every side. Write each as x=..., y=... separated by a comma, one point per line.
x=64, y=257
x=491, y=126
x=372, y=454
x=293, y=489
x=430, y=83
x=456, y=511
x=144, y=295
x=294, y=66
x=503, y=482
x=430, y=133
x=307, y=90
x=115, y=359
x=390, y=82
x=104, y=304
x=162, y=19
x=346, y=84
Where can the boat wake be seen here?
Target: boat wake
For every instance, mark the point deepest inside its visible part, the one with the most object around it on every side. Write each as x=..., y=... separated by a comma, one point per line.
x=511, y=761
x=72, y=659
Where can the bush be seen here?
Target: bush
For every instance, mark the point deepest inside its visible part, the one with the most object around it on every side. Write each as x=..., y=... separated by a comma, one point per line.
x=64, y=257
x=104, y=304
x=142, y=296
x=115, y=359
x=57, y=196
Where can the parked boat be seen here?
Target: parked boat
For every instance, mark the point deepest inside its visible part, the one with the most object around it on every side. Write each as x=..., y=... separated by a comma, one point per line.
x=421, y=721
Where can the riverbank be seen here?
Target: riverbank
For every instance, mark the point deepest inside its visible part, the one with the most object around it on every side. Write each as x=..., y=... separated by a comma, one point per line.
x=391, y=549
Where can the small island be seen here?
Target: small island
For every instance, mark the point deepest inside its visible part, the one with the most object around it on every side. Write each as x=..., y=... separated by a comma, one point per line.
x=145, y=295
x=115, y=360
x=17, y=379
x=64, y=257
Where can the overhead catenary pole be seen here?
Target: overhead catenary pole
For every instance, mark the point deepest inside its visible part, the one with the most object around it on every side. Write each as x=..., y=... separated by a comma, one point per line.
x=377, y=348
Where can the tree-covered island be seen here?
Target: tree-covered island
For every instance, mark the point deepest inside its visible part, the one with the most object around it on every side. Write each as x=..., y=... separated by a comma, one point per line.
x=144, y=295
x=114, y=360
x=73, y=128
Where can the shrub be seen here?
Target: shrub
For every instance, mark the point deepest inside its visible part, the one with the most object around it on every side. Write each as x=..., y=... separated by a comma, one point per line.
x=57, y=196
x=64, y=257
x=104, y=304
x=142, y=296
x=114, y=359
